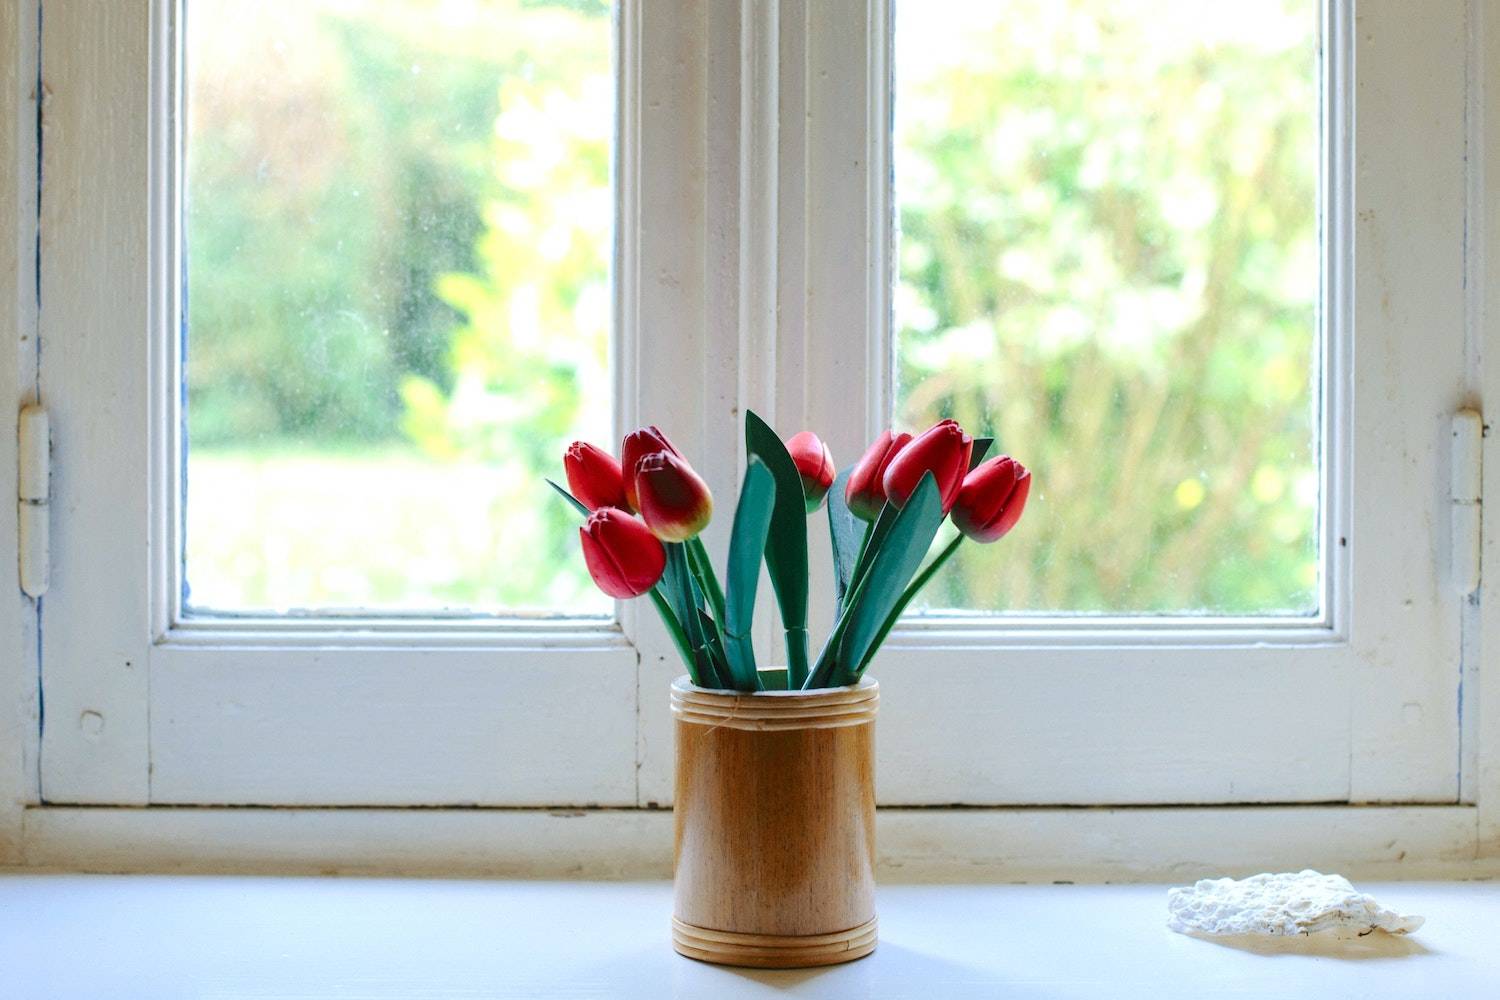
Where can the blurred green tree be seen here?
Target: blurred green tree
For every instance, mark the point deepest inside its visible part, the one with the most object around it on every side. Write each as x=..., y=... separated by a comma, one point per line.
x=1108, y=260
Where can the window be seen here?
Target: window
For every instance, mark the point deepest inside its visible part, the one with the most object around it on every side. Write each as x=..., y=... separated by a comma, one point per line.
x=408, y=271
x=397, y=240
x=1108, y=246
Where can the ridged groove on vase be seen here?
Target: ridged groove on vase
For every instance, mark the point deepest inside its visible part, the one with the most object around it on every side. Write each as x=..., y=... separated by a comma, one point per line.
x=773, y=950
x=828, y=708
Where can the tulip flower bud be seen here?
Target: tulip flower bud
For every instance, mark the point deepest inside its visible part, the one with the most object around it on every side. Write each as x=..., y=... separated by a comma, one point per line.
x=674, y=500
x=814, y=464
x=623, y=556
x=865, y=493
x=637, y=445
x=992, y=498
x=594, y=477
x=943, y=449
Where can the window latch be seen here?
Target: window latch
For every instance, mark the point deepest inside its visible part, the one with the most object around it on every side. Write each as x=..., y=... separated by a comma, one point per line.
x=33, y=480
x=1466, y=492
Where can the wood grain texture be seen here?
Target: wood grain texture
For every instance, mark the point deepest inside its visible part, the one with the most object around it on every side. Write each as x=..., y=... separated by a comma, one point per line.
x=775, y=826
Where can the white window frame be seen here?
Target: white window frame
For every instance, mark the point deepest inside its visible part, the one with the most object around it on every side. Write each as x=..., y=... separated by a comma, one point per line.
x=744, y=162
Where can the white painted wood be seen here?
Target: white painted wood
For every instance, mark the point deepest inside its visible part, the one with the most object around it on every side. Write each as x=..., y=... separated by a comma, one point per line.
x=1361, y=705
x=33, y=516
x=1365, y=704
x=18, y=665
x=967, y=845
x=1048, y=726
x=682, y=365
x=1408, y=380
x=393, y=726
x=1481, y=701
x=93, y=376
x=394, y=712
x=74, y=937
x=1466, y=494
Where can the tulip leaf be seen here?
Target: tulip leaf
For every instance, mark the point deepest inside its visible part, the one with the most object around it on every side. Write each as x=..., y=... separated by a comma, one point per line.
x=831, y=664
x=577, y=505
x=747, y=544
x=677, y=587
x=703, y=574
x=911, y=591
x=874, y=539
x=981, y=449
x=846, y=532
x=713, y=644
x=890, y=570
x=679, y=639
x=786, y=546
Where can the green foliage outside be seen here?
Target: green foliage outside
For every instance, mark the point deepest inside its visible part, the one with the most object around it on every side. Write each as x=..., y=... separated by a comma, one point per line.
x=1108, y=260
x=399, y=228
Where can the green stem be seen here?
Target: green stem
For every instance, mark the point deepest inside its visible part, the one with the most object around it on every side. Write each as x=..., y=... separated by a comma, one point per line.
x=918, y=582
x=796, y=657
x=674, y=627
x=827, y=663
x=708, y=581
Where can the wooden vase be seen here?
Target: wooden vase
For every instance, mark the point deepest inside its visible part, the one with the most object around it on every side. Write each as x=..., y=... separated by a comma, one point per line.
x=775, y=825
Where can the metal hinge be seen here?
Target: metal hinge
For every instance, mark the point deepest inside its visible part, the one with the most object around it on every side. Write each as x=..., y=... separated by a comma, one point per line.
x=34, y=441
x=1467, y=495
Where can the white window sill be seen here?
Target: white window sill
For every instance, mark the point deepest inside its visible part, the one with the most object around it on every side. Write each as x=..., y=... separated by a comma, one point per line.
x=65, y=936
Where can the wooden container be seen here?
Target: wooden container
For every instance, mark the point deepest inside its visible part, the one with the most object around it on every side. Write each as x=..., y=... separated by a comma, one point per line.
x=775, y=825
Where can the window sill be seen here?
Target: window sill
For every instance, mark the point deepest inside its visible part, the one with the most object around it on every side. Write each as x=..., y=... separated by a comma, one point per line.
x=89, y=935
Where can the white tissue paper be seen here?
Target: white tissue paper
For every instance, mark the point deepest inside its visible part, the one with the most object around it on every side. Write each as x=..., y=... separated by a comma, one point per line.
x=1279, y=905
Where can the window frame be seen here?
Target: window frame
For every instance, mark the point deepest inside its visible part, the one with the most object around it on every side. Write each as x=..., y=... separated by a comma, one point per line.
x=1056, y=711
x=737, y=167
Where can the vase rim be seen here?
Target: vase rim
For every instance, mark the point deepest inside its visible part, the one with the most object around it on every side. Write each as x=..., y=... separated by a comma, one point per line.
x=684, y=682
x=821, y=708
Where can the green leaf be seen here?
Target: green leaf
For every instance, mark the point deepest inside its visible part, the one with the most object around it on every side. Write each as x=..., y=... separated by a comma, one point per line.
x=679, y=639
x=570, y=498
x=846, y=532
x=898, y=559
x=773, y=679
x=786, y=546
x=875, y=538
x=703, y=574
x=911, y=591
x=677, y=587
x=713, y=645
x=981, y=449
x=747, y=544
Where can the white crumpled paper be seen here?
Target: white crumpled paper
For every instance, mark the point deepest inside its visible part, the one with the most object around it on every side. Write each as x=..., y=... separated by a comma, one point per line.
x=1297, y=903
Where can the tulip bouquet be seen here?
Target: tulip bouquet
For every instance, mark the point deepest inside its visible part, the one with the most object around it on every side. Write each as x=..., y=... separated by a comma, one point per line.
x=883, y=513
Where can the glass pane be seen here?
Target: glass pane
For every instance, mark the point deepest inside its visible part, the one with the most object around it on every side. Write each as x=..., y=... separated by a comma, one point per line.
x=1108, y=259
x=398, y=228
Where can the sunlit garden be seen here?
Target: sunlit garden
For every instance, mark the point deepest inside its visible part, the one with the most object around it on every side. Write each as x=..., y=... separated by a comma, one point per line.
x=398, y=233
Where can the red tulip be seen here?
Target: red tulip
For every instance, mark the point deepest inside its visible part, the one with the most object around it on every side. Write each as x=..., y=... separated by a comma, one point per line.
x=943, y=449
x=674, y=500
x=814, y=464
x=623, y=557
x=637, y=445
x=992, y=498
x=865, y=493
x=594, y=477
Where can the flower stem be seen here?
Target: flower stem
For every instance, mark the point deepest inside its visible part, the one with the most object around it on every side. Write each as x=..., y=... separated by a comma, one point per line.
x=674, y=628
x=917, y=583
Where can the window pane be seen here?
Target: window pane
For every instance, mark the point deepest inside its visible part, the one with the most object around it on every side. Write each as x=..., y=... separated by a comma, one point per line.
x=1108, y=259
x=398, y=225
